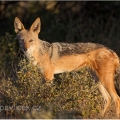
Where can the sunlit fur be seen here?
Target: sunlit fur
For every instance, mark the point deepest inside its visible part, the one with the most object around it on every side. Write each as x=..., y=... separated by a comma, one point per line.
x=63, y=57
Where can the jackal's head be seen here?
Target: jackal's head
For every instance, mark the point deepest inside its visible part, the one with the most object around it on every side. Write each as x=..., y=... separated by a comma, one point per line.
x=27, y=37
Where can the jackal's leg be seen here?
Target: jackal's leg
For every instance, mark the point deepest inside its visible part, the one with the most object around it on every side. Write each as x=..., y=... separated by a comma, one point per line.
x=106, y=65
x=111, y=90
x=106, y=96
x=49, y=75
x=108, y=90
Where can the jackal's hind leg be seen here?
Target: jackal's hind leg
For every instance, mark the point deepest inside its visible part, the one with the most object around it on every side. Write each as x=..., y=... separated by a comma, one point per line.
x=106, y=96
x=115, y=97
x=108, y=91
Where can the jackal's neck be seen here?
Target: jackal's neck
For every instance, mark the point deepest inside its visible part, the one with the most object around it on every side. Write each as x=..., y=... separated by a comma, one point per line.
x=44, y=47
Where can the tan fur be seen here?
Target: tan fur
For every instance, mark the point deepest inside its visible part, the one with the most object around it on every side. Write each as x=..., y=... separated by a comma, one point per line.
x=63, y=57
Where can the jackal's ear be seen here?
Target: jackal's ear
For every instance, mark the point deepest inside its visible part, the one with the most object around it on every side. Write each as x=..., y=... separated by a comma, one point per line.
x=36, y=26
x=18, y=25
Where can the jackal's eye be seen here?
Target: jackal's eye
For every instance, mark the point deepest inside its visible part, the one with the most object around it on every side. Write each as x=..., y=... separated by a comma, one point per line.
x=21, y=40
x=30, y=40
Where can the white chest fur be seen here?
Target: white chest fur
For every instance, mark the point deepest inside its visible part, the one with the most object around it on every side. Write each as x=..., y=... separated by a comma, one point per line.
x=30, y=55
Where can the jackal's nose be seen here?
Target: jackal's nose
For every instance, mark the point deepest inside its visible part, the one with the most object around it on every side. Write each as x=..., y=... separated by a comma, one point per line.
x=25, y=49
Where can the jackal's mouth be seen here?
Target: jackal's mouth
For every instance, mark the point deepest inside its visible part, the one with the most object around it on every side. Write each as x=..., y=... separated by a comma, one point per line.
x=30, y=57
x=29, y=53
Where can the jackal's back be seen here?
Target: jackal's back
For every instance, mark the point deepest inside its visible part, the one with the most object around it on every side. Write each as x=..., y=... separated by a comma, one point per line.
x=65, y=49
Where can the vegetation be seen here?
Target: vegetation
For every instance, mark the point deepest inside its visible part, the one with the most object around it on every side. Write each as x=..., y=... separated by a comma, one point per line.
x=72, y=95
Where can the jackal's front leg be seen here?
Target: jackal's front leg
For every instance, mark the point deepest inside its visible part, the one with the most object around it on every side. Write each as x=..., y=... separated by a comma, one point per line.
x=49, y=75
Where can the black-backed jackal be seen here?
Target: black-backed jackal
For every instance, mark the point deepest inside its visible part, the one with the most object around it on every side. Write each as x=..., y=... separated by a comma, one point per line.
x=63, y=57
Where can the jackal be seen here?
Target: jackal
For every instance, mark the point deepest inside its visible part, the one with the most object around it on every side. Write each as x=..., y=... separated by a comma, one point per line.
x=64, y=57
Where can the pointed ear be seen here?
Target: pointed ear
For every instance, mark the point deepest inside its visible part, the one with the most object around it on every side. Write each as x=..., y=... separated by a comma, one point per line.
x=36, y=26
x=18, y=25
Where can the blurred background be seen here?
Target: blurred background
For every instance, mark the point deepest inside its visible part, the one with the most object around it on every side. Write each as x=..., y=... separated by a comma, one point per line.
x=62, y=21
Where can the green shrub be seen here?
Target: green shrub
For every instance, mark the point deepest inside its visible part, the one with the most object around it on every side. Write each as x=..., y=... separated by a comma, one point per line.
x=8, y=53
x=72, y=95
